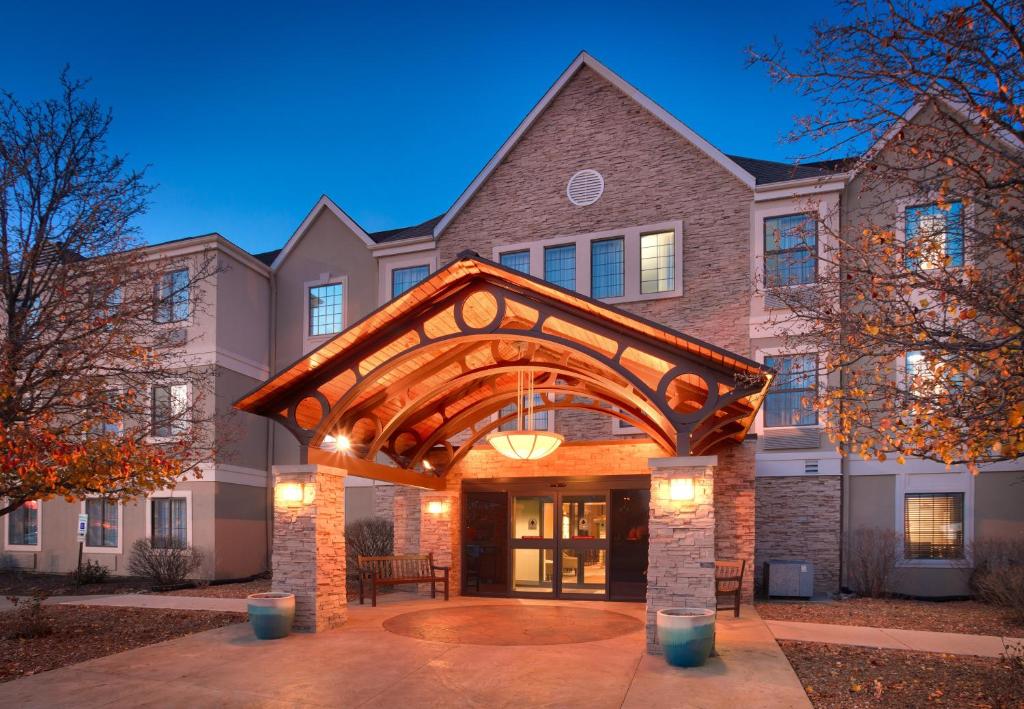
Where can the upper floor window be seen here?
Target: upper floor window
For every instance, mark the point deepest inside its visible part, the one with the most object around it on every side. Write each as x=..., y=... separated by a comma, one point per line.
x=172, y=296
x=169, y=520
x=607, y=268
x=516, y=260
x=326, y=309
x=790, y=398
x=657, y=262
x=937, y=233
x=23, y=525
x=402, y=279
x=169, y=410
x=933, y=525
x=560, y=265
x=540, y=418
x=790, y=250
x=103, y=522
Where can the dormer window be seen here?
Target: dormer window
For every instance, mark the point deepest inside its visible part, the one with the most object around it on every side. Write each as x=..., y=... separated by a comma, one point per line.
x=935, y=234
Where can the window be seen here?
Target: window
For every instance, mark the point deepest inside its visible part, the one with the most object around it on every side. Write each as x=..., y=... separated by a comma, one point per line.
x=402, y=279
x=939, y=234
x=113, y=425
x=657, y=262
x=326, y=312
x=170, y=405
x=103, y=523
x=516, y=260
x=560, y=265
x=607, y=273
x=540, y=418
x=169, y=522
x=933, y=525
x=23, y=525
x=172, y=297
x=790, y=250
x=789, y=399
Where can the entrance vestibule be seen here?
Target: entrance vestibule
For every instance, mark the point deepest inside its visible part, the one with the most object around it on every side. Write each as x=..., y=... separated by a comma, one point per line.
x=556, y=538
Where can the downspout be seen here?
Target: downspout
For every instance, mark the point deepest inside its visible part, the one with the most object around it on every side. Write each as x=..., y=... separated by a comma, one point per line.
x=272, y=367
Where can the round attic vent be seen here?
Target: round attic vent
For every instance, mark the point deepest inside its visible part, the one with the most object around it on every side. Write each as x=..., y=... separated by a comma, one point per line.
x=585, y=187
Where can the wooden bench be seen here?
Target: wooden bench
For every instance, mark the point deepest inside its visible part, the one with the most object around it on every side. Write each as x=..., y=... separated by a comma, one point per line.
x=399, y=569
x=729, y=583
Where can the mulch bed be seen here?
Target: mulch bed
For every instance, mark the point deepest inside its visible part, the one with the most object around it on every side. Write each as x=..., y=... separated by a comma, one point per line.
x=224, y=590
x=83, y=633
x=25, y=583
x=847, y=676
x=941, y=616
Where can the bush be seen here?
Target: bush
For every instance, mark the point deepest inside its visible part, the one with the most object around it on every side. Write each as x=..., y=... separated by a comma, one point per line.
x=1003, y=587
x=166, y=567
x=373, y=536
x=872, y=560
x=30, y=619
x=990, y=553
x=91, y=572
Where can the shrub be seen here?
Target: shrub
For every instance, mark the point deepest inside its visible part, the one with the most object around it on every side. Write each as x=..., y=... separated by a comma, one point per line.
x=1003, y=587
x=990, y=553
x=91, y=572
x=166, y=567
x=372, y=536
x=872, y=560
x=29, y=615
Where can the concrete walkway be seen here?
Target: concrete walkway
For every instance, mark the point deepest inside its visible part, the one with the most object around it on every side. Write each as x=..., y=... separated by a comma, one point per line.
x=145, y=600
x=363, y=664
x=920, y=640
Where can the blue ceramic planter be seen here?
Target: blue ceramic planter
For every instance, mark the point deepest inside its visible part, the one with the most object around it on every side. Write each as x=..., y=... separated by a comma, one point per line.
x=687, y=635
x=271, y=614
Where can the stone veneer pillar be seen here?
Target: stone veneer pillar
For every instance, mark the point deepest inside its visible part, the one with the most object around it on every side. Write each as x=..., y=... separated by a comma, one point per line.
x=681, y=553
x=439, y=527
x=309, y=545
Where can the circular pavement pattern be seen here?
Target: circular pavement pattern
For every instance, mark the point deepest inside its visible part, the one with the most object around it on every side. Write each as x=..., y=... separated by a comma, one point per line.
x=512, y=625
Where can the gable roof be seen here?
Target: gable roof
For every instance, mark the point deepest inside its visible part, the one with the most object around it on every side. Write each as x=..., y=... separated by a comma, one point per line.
x=584, y=59
x=767, y=172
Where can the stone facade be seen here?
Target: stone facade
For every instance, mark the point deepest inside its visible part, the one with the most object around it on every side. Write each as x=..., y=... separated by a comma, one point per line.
x=384, y=501
x=734, y=509
x=681, y=555
x=309, y=544
x=800, y=518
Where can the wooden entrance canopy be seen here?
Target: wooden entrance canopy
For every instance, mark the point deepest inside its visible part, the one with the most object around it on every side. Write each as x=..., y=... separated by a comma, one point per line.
x=423, y=379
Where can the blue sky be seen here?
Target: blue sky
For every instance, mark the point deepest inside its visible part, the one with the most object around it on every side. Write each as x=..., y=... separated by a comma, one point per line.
x=246, y=113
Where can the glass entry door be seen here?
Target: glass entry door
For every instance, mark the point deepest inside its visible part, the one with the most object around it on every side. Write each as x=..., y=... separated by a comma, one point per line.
x=560, y=545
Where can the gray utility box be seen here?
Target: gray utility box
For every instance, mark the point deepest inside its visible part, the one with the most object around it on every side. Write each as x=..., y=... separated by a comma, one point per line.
x=789, y=578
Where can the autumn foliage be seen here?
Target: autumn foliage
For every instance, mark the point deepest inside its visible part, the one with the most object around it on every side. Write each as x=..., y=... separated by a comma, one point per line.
x=918, y=308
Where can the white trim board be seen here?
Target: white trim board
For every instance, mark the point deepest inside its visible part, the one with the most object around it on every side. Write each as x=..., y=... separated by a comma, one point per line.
x=327, y=203
x=584, y=59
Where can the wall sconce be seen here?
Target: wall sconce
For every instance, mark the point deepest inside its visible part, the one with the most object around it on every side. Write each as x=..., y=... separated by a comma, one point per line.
x=681, y=489
x=295, y=493
x=436, y=507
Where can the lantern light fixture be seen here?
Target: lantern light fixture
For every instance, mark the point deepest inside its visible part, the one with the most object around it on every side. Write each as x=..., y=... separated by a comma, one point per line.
x=525, y=442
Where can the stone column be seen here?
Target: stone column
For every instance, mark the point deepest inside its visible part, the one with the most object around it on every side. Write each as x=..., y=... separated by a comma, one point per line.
x=406, y=505
x=681, y=553
x=384, y=501
x=309, y=543
x=439, y=529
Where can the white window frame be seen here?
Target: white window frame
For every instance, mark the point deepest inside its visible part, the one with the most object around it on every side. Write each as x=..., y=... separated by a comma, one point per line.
x=119, y=549
x=395, y=263
x=550, y=412
x=151, y=437
x=188, y=320
x=938, y=483
x=759, y=356
x=311, y=342
x=631, y=258
x=901, y=205
x=189, y=511
x=38, y=546
x=621, y=428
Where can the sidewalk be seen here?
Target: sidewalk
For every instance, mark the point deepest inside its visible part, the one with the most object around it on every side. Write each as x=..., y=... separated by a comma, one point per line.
x=146, y=600
x=892, y=638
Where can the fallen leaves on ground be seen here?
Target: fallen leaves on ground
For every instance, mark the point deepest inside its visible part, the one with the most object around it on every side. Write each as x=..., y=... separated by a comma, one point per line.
x=940, y=616
x=83, y=633
x=225, y=590
x=855, y=677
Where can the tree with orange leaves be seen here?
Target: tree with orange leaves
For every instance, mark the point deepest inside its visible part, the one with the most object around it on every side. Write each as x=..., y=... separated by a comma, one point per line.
x=91, y=364
x=918, y=309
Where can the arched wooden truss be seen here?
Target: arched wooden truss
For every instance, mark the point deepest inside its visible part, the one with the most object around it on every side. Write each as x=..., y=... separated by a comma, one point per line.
x=424, y=379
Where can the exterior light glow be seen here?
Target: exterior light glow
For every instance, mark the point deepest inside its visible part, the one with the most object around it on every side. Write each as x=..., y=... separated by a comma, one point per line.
x=681, y=489
x=289, y=492
x=427, y=465
x=336, y=443
x=436, y=507
x=525, y=445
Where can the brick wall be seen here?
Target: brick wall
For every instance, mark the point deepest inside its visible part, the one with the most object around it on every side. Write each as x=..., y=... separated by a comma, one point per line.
x=734, y=509
x=799, y=518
